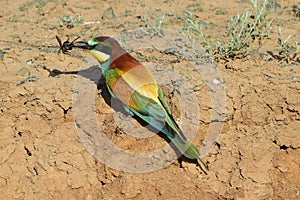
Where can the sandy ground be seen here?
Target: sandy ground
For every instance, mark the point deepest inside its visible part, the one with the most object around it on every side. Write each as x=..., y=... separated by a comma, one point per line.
x=41, y=153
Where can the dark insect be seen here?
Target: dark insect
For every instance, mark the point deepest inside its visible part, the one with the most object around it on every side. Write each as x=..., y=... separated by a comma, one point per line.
x=66, y=46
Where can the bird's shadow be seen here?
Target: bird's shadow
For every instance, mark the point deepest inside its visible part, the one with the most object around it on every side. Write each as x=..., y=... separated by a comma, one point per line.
x=94, y=74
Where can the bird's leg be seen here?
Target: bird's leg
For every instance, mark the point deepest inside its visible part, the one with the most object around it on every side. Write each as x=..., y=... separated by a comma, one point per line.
x=129, y=114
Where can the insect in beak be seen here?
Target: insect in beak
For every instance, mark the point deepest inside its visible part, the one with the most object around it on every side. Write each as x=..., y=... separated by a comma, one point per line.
x=66, y=46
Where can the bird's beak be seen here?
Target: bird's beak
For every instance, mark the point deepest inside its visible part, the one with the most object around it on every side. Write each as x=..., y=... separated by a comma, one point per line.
x=67, y=45
x=100, y=56
x=79, y=44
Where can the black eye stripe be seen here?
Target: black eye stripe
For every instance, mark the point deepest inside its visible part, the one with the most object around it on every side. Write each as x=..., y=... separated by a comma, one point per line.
x=104, y=49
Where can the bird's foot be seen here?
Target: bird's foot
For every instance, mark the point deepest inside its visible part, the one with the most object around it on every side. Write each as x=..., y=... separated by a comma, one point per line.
x=129, y=114
x=125, y=117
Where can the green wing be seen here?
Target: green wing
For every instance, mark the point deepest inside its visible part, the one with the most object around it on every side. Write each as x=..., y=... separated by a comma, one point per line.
x=156, y=113
x=180, y=140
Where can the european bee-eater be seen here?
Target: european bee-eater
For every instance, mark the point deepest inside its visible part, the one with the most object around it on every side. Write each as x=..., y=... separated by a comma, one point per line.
x=133, y=84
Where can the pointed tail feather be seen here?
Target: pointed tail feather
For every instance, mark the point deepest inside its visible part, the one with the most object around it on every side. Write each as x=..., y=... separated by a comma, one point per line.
x=173, y=132
x=193, y=152
x=185, y=147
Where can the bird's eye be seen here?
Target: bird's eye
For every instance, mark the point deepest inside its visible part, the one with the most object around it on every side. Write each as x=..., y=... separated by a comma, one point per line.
x=99, y=46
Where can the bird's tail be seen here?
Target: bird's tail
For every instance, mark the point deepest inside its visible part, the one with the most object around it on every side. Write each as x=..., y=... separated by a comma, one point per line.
x=177, y=137
x=173, y=132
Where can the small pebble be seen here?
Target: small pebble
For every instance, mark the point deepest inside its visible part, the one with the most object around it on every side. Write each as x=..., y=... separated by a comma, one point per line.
x=216, y=81
x=108, y=13
x=171, y=51
x=29, y=62
x=1, y=55
x=23, y=72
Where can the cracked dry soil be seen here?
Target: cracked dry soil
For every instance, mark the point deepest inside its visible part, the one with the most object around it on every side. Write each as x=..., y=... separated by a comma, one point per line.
x=42, y=156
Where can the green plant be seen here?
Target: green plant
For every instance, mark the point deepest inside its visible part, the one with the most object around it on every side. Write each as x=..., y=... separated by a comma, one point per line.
x=241, y=31
x=193, y=27
x=159, y=22
x=196, y=7
x=69, y=20
x=296, y=9
x=39, y=4
x=287, y=51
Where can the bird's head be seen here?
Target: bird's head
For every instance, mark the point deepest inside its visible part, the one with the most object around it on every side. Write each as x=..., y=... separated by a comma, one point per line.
x=102, y=48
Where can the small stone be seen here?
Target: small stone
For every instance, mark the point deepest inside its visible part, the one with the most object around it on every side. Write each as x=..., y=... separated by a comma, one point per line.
x=29, y=62
x=216, y=82
x=280, y=117
x=23, y=72
x=1, y=55
x=108, y=13
x=171, y=51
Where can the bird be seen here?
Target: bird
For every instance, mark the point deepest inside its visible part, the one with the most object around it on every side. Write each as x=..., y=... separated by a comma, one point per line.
x=133, y=84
